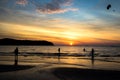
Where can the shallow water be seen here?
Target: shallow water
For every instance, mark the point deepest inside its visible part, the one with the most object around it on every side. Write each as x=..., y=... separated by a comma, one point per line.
x=99, y=63
x=31, y=55
x=99, y=51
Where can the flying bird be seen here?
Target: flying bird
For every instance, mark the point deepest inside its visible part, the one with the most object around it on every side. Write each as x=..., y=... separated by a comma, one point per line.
x=109, y=6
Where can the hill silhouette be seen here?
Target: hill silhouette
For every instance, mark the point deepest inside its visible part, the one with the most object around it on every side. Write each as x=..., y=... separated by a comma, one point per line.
x=9, y=41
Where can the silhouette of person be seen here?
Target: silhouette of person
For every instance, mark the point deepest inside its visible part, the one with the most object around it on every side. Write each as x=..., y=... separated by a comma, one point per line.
x=92, y=56
x=84, y=49
x=16, y=56
x=58, y=53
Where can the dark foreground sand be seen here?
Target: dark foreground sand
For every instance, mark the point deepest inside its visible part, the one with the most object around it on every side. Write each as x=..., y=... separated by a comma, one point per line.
x=8, y=68
x=55, y=72
x=85, y=74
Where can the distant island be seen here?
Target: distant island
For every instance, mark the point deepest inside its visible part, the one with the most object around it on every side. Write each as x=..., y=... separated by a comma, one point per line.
x=9, y=41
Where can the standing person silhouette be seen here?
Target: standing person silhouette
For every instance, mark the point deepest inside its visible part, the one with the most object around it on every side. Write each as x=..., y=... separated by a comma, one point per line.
x=58, y=53
x=92, y=56
x=16, y=56
x=84, y=50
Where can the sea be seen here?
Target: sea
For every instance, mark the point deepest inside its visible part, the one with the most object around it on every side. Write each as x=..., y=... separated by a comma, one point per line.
x=105, y=57
x=74, y=50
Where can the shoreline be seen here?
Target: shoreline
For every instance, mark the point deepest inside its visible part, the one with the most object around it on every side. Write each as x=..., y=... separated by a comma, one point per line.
x=55, y=54
x=99, y=63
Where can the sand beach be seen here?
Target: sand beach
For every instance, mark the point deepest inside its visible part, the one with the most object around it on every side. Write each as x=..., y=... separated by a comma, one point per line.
x=55, y=72
x=50, y=68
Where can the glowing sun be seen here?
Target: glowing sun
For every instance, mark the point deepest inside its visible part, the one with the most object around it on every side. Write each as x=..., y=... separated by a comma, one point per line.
x=71, y=43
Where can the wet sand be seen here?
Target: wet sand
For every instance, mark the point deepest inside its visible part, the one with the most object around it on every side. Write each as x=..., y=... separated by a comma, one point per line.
x=8, y=68
x=85, y=74
x=50, y=68
x=38, y=72
x=55, y=72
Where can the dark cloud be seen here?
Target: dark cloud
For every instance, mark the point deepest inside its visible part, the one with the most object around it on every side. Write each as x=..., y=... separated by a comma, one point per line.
x=54, y=6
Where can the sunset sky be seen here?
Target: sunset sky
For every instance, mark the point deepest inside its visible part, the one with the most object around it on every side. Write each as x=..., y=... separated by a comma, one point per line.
x=63, y=22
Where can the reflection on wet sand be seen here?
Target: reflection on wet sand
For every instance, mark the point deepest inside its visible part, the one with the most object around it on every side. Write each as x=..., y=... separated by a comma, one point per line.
x=99, y=63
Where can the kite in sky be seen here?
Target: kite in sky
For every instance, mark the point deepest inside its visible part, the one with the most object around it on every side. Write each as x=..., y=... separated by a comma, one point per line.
x=109, y=6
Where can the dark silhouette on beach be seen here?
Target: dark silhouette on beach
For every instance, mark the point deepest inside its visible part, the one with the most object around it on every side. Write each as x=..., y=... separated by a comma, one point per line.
x=8, y=41
x=59, y=54
x=84, y=50
x=92, y=56
x=16, y=56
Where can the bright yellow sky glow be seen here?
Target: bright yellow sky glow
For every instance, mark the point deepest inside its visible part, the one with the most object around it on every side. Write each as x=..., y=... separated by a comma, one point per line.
x=57, y=35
